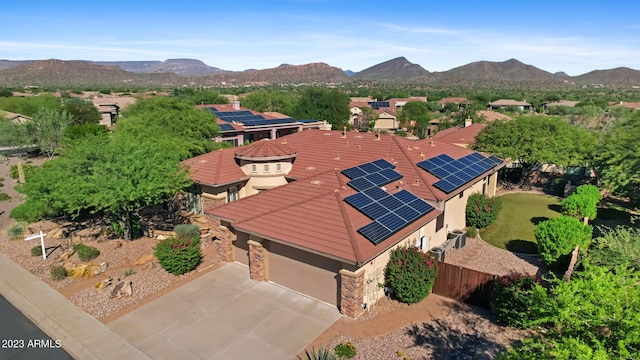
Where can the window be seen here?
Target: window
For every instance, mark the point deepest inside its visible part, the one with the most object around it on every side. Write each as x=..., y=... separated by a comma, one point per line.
x=232, y=194
x=439, y=222
x=278, y=166
x=254, y=168
x=461, y=194
x=266, y=167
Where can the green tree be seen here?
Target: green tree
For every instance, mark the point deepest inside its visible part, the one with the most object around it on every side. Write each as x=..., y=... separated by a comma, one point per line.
x=593, y=316
x=82, y=111
x=174, y=123
x=616, y=247
x=535, y=140
x=557, y=237
x=264, y=101
x=106, y=176
x=413, y=111
x=320, y=104
x=618, y=158
x=366, y=120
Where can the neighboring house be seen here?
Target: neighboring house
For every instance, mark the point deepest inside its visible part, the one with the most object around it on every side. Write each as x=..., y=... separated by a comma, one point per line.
x=568, y=103
x=319, y=211
x=460, y=101
x=521, y=105
x=387, y=110
x=110, y=107
x=240, y=125
x=460, y=136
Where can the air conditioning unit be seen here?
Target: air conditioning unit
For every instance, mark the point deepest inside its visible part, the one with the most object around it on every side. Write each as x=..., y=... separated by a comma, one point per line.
x=461, y=237
x=438, y=253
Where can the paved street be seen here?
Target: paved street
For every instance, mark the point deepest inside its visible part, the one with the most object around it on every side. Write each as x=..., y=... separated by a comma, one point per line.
x=20, y=337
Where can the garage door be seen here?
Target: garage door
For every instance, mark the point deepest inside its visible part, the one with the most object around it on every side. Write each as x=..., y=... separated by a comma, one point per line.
x=304, y=272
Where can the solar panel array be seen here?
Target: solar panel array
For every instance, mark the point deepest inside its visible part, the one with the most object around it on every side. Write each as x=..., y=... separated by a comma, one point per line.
x=455, y=173
x=378, y=104
x=247, y=118
x=225, y=127
x=389, y=212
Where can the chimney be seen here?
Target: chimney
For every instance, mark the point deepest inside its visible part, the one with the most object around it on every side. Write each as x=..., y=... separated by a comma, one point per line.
x=344, y=132
x=378, y=135
x=235, y=104
x=467, y=122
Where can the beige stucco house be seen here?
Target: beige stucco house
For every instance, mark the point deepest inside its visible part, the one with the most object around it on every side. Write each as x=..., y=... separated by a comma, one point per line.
x=387, y=111
x=319, y=211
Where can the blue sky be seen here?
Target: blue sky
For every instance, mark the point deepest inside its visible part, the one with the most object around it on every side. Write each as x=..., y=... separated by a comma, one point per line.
x=571, y=36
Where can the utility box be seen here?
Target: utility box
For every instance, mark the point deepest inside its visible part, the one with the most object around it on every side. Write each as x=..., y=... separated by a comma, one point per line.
x=462, y=237
x=438, y=253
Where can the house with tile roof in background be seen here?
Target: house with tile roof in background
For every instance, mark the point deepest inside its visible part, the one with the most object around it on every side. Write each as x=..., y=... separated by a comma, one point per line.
x=239, y=125
x=387, y=110
x=319, y=211
x=503, y=103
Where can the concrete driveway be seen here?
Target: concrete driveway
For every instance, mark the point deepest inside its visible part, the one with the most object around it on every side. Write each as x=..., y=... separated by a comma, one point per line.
x=226, y=315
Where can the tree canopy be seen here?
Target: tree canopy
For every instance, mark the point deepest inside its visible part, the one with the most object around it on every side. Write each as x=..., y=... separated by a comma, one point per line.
x=618, y=157
x=174, y=123
x=264, y=101
x=535, y=140
x=320, y=104
x=102, y=175
x=82, y=111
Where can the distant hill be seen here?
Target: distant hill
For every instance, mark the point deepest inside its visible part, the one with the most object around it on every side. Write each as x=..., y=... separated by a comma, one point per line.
x=398, y=69
x=185, y=67
x=314, y=73
x=187, y=72
x=621, y=76
x=496, y=73
x=561, y=73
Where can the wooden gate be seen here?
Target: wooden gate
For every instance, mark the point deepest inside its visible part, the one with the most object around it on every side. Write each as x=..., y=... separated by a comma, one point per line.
x=462, y=284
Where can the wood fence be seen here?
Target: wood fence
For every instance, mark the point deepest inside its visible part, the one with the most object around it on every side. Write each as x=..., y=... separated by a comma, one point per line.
x=462, y=284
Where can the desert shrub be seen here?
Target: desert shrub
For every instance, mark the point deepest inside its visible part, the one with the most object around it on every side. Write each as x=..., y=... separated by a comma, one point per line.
x=517, y=300
x=4, y=196
x=83, y=270
x=410, y=274
x=15, y=231
x=85, y=252
x=319, y=354
x=472, y=231
x=589, y=191
x=58, y=272
x=345, y=350
x=559, y=236
x=578, y=206
x=36, y=250
x=178, y=255
x=482, y=210
x=187, y=231
x=26, y=169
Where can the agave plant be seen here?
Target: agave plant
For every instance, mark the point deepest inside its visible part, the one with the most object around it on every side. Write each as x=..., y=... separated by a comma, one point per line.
x=320, y=354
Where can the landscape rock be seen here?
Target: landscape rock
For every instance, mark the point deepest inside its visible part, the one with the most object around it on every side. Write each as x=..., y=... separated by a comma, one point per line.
x=66, y=254
x=122, y=289
x=104, y=283
x=68, y=265
x=98, y=269
x=56, y=233
x=118, y=244
x=144, y=259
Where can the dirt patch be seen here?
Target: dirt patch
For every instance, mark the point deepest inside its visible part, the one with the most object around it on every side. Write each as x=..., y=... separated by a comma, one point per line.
x=435, y=328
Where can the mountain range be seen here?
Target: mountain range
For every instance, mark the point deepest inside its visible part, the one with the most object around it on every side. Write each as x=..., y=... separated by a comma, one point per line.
x=191, y=72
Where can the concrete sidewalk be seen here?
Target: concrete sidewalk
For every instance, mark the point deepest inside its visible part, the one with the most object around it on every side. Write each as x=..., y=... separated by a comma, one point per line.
x=80, y=334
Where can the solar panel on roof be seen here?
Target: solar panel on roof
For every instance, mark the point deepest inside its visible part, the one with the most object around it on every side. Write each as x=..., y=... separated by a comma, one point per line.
x=391, y=203
x=374, y=210
x=354, y=172
x=369, y=168
x=225, y=127
x=361, y=184
x=455, y=173
x=421, y=206
x=405, y=196
x=377, y=179
x=358, y=200
x=383, y=164
x=392, y=222
x=391, y=175
x=407, y=213
x=375, y=232
x=375, y=193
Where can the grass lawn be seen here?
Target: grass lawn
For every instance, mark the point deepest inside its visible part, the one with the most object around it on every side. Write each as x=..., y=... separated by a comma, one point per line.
x=521, y=212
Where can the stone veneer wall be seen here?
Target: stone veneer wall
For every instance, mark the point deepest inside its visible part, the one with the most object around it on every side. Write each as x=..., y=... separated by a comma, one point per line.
x=258, y=257
x=352, y=292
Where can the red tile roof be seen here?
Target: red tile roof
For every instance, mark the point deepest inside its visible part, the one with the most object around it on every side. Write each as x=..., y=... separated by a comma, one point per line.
x=455, y=100
x=310, y=213
x=460, y=135
x=265, y=150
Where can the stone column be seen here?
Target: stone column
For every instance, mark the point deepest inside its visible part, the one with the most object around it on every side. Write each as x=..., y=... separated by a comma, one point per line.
x=258, y=261
x=224, y=244
x=351, y=292
x=273, y=134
